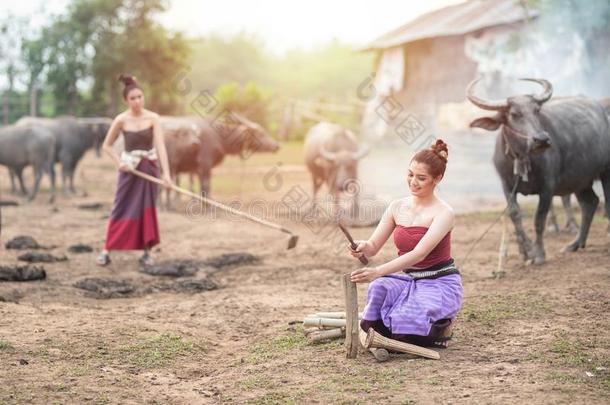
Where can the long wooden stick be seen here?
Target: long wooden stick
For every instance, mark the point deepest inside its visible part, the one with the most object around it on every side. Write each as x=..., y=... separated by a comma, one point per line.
x=351, y=310
x=219, y=205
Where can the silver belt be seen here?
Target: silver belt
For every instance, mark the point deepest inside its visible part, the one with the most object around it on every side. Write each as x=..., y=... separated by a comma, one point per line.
x=436, y=273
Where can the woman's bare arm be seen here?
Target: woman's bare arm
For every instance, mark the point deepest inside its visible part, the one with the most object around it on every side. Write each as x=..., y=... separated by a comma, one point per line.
x=381, y=234
x=160, y=146
x=111, y=137
x=440, y=226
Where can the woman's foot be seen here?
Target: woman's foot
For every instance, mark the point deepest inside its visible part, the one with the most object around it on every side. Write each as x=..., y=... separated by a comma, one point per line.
x=103, y=259
x=146, y=259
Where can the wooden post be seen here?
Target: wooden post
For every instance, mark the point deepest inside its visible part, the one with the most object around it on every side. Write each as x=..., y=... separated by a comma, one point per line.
x=351, y=311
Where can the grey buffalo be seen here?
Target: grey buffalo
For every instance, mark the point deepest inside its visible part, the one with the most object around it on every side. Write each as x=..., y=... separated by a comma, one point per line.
x=25, y=145
x=331, y=156
x=73, y=138
x=548, y=147
x=219, y=139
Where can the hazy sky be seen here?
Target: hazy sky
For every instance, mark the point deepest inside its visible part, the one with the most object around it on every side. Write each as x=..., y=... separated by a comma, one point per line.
x=281, y=24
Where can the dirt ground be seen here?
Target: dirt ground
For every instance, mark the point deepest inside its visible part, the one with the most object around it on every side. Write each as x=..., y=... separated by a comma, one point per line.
x=525, y=335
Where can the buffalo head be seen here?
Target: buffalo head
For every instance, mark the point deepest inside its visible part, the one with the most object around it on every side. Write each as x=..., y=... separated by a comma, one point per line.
x=519, y=116
x=344, y=166
x=255, y=137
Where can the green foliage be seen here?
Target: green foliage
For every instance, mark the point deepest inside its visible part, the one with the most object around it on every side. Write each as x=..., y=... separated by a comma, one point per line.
x=250, y=100
x=76, y=59
x=5, y=345
x=83, y=51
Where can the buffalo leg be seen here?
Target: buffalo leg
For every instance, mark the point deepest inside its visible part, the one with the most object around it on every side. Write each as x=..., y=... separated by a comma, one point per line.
x=588, y=201
x=605, y=178
x=204, y=181
x=11, y=174
x=316, y=184
x=71, y=178
x=52, y=176
x=571, y=225
x=525, y=244
x=64, y=176
x=19, y=174
x=545, y=201
x=554, y=226
x=51, y=172
x=37, y=177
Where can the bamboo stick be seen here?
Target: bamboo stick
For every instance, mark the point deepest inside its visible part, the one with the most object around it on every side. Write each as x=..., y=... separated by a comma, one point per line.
x=374, y=339
x=319, y=322
x=379, y=353
x=351, y=309
x=326, y=334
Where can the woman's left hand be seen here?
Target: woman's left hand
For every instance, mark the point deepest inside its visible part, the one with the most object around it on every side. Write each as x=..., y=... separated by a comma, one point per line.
x=365, y=275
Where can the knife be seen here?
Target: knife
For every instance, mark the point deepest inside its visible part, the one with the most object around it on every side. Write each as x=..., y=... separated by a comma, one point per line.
x=353, y=245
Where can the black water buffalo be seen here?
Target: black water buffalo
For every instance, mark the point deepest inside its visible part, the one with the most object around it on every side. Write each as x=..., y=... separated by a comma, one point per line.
x=25, y=145
x=219, y=139
x=550, y=147
x=94, y=129
x=331, y=156
x=72, y=140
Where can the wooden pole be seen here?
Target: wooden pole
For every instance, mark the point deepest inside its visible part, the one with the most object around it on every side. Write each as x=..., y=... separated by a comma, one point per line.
x=293, y=238
x=351, y=310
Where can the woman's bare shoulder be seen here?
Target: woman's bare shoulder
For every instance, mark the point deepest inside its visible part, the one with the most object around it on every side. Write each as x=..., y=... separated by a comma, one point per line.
x=445, y=207
x=399, y=205
x=151, y=115
x=120, y=119
x=445, y=210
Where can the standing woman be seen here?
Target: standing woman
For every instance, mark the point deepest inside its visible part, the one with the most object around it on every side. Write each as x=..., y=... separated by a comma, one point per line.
x=133, y=221
x=414, y=297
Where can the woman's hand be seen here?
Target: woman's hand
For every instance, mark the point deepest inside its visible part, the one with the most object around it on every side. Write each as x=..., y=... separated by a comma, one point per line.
x=365, y=275
x=124, y=167
x=167, y=181
x=363, y=248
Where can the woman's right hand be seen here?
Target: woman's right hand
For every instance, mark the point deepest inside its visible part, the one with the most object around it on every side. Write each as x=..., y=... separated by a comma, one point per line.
x=124, y=167
x=363, y=248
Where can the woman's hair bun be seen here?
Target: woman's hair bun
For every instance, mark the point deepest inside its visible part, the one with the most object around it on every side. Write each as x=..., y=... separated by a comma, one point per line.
x=441, y=150
x=127, y=80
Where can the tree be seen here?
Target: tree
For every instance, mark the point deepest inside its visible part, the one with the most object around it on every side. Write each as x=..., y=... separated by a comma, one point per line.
x=85, y=49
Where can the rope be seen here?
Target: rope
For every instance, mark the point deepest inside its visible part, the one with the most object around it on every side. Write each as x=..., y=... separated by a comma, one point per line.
x=512, y=195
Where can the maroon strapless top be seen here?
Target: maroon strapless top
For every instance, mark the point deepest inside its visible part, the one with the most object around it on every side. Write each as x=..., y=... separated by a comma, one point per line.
x=407, y=237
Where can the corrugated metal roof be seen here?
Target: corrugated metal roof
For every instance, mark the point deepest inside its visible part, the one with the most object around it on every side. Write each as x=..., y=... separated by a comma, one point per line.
x=458, y=19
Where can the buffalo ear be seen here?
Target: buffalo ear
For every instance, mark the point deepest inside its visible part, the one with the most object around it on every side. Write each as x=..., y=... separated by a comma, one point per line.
x=488, y=123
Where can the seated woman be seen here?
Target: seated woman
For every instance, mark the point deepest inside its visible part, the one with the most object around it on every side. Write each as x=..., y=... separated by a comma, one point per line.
x=414, y=297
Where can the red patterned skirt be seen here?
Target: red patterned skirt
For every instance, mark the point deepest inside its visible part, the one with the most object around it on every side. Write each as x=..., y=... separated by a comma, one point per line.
x=133, y=220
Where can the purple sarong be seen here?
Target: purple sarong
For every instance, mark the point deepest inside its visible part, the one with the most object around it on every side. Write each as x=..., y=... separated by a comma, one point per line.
x=408, y=306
